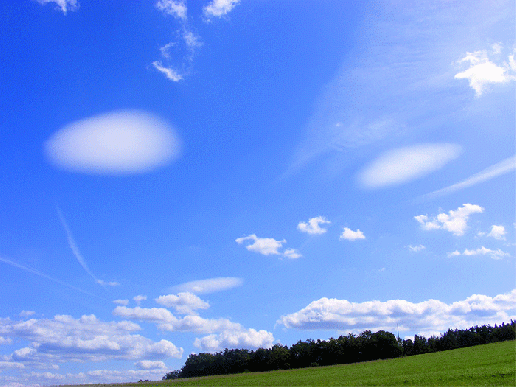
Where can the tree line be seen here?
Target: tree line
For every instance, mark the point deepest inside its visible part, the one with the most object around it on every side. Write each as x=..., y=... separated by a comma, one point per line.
x=343, y=350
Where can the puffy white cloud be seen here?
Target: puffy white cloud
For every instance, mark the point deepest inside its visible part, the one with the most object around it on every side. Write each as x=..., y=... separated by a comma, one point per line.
x=292, y=254
x=219, y=8
x=150, y=364
x=417, y=248
x=63, y=5
x=423, y=317
x=115, y=143
x=497, y=232
x=248, y=338
x=65, y=338
x=503, y=167
x=210, y=285
x=264, y=246
x=183, y=303
x=482, y=71
x=455, y=222
x=351, y=235
x=145, y=314
x=495, y=254
x=268, y=246
x=313, y=226
x=174, y=8
x=399, y=166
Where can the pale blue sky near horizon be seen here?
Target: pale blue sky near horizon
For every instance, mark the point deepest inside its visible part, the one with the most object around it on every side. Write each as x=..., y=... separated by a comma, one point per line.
x=187, y=176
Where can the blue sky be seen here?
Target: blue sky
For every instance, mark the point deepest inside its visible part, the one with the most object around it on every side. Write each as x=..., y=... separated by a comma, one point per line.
x=183, y=177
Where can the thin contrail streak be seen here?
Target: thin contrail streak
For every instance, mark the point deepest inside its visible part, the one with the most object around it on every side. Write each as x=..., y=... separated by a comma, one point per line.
x=40, y=274
x=75, y=249
x=504, y=166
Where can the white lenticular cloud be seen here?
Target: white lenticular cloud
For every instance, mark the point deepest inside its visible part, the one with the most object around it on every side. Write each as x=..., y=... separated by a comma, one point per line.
x=423, y=317
x=264, y=246
x=351, y=235
x=114, y=143
x=63, y=5
x=313, y=226
x=219, y=8
x=455, y=222
x=483, y=71
x=402, y=165
x=210, y=285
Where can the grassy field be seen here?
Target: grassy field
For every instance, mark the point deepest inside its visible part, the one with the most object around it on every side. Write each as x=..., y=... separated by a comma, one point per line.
x=483, y=365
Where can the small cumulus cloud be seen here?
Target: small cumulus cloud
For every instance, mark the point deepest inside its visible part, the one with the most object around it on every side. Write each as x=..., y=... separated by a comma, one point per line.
x=416, y=249
x=176, y=9
x=494, y=254
x=313, y=226
x=114, y=143
x=183, y=303
x=351, y=235
x=121, y=302
x=264, y=246
x=497, y=232
x=62, y=5
x=402, y=165
x=267, y=246
x=242, y=338
x=150, y=364
x=219, y=8
x=292, y=254
x=455, y=222
x=210, y=285
x=106, y=283
x=482, y=71
x=27, y=313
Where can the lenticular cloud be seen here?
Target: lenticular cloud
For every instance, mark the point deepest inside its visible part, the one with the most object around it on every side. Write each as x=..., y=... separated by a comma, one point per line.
x=114, y=143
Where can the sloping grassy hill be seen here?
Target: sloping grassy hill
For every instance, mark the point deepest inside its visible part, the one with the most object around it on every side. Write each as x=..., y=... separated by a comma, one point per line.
x=482, y=365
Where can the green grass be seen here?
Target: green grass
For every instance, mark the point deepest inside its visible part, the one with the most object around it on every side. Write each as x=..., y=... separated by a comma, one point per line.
x=483, y=365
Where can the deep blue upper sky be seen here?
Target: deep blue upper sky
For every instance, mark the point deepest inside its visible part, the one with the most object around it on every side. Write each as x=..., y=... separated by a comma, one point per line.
x=182, y=177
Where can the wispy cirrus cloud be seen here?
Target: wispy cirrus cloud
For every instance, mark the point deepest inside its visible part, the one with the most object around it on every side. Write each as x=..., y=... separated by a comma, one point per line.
x=498, y=169
x=116, y=143
x=402, y=165
x=313, y=226
x=63, y=5
x=426, y=317
x=456, y=221
x=267, y=246
x=209, y=285
x=43, y=275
